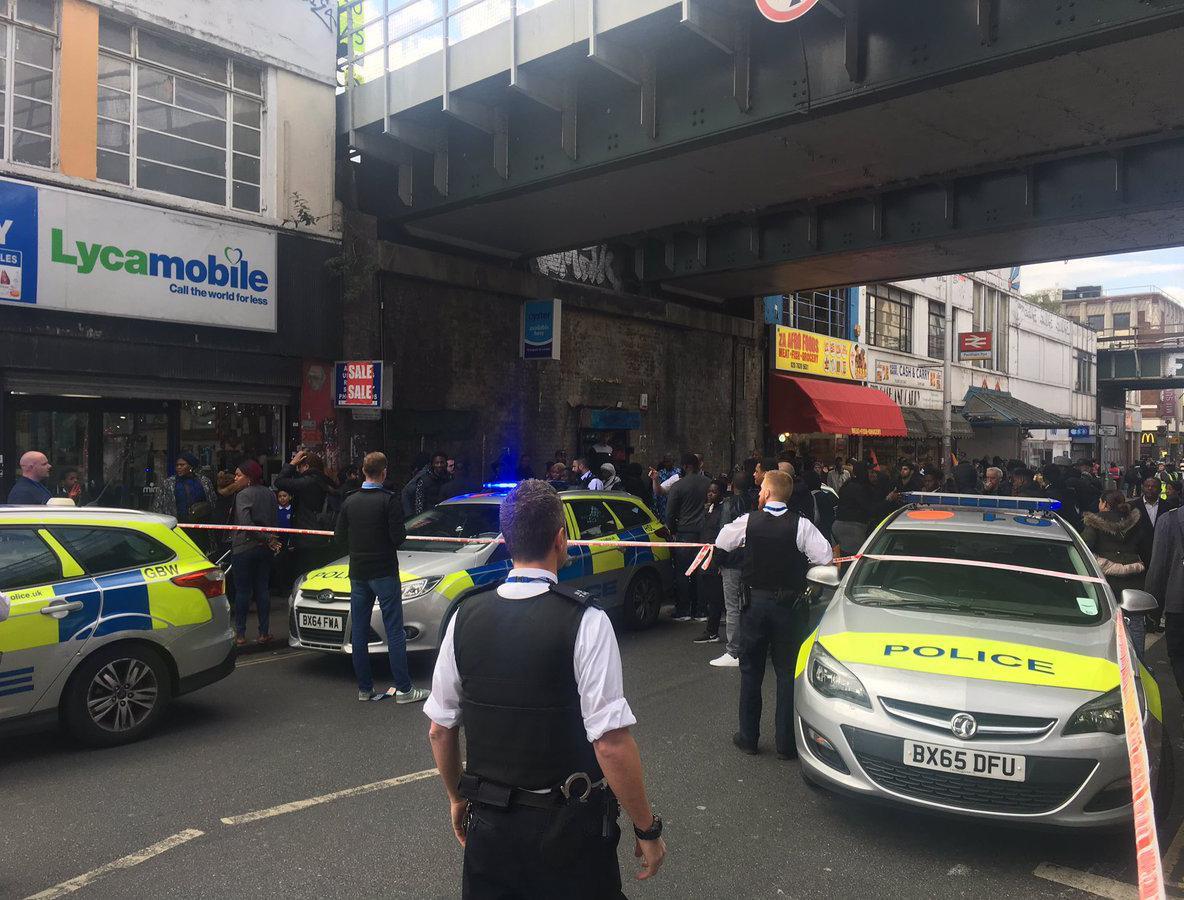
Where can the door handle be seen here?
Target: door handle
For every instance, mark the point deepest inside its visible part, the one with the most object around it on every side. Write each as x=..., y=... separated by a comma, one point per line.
x=54, y=609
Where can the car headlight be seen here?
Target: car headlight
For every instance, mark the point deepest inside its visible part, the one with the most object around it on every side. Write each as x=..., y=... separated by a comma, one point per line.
x=832, y=679
x=296, y=586
x=1103, y=713
x=415, y=589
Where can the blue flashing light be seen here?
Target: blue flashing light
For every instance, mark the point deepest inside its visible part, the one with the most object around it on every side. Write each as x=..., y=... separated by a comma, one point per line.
x=975, y=501
x=500, y=485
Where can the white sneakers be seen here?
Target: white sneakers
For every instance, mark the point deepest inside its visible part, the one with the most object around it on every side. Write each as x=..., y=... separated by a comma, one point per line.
x=727, y=661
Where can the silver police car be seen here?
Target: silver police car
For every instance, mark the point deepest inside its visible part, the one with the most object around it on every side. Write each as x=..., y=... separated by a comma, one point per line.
x=955, y=670
x=438, y=574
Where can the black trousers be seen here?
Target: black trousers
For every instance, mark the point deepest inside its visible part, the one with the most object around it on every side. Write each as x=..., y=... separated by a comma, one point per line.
x=687, y=601
x=1173, y=635
x=770, y=629
x=711, y=595
x=522, y=853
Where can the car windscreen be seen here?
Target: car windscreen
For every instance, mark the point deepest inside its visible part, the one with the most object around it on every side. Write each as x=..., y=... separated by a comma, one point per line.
x=976, y=590
x=453, y=520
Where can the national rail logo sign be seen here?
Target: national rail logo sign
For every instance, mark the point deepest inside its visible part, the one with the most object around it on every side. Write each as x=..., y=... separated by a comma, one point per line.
x=785, y=10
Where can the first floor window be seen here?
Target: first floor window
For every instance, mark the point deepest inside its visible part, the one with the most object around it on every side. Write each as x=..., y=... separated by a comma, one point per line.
x=27, y=63
x=937, y=330
x=890, y=318
x=179, y=119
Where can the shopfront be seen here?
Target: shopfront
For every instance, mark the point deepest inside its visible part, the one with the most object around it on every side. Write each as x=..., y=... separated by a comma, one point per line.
x=114, y=371
x=816, y=403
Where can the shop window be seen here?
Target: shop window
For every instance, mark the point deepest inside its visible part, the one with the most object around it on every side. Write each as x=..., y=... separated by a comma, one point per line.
x=1122, y=321
x=100, y=550
x=937, y=330
x=221, y=435
x=890, y=318
x=822, y=312
x=592, y=519
x=26, y=560
x=179, y=119
x=27, y=65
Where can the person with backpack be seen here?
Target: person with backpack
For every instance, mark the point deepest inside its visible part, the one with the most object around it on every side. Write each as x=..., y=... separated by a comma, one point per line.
x=315, y=501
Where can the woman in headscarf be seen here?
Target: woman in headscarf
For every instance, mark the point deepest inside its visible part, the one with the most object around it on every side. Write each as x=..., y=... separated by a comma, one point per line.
x=1113, y=533
x=186, y=495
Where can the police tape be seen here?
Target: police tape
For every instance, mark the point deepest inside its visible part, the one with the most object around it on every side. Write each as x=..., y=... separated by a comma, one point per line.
x=702, y=559
x=1150, y=865
x=973, y=563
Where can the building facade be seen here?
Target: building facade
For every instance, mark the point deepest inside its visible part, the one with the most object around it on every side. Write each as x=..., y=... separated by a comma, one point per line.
x=168, y=236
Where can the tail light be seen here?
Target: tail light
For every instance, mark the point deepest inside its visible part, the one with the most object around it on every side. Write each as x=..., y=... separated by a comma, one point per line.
x=664, y=533
x=210, y=582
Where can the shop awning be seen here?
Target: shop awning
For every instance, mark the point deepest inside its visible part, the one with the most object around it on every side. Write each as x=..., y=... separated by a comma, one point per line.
x=813, y=406
x=927, y=423
x=985, y=408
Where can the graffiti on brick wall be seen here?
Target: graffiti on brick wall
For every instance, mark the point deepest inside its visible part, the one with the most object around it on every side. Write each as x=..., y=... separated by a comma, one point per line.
x=592, y=265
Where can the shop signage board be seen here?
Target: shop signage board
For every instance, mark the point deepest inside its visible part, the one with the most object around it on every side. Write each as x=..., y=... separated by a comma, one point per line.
x=807, y=353
x=542, y=326
x=785, y=10
x=1108, y=430
x=974, y=345
x=925, y=378
x=76, y=252
x=361, y=384
x=1080, y=432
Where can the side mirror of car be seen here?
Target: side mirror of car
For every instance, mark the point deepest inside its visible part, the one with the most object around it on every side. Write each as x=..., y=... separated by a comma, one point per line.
x=1137, y=601
x=825, y=576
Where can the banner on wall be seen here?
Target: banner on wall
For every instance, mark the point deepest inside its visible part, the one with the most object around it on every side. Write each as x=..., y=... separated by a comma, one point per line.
x=362, y=384
x=76, y=252
x=807, y=353
x=542, y=325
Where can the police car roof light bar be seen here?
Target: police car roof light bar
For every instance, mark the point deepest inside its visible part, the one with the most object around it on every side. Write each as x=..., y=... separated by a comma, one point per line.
x=974, y=501
x=499, y=485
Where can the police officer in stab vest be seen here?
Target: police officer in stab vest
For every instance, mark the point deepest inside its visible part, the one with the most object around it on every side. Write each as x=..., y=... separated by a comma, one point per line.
x=534, y=675
x=781, y=547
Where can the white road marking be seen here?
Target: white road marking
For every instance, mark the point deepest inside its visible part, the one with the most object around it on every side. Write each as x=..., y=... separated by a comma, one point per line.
x=133, y=859
x=278, y=657
x=297, y=805
x=1098, y=885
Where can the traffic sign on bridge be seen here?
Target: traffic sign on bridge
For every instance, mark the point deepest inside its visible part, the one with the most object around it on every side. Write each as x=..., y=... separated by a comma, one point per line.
x=785, y=10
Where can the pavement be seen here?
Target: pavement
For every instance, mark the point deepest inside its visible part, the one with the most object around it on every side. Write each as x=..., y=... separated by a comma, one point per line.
x=277, y=782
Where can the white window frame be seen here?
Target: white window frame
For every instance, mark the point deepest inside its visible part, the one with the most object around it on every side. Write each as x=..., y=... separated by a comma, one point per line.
x=133, y=59
x=11, y=24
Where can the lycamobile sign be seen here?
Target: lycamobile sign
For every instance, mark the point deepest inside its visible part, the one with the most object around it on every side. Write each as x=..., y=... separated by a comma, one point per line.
x=166, y=265
x=236, y=272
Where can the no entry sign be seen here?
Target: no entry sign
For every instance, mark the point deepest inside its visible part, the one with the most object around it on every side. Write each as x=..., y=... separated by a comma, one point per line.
x=785, y=10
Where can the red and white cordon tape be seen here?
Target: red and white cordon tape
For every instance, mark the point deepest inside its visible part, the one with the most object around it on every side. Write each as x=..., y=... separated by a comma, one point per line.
x=1146, y=836
x=702, y=559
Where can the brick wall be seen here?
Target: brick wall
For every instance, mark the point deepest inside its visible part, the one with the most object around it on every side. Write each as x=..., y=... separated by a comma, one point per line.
x=452, y=338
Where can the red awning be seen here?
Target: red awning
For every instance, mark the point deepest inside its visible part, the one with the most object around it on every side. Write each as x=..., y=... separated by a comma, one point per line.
x=810, y=405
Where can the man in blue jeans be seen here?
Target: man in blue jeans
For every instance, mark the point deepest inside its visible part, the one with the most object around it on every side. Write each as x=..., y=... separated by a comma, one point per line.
x=370, y=527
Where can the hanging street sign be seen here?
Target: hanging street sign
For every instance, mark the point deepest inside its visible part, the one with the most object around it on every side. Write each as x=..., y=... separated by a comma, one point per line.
x=785, y=10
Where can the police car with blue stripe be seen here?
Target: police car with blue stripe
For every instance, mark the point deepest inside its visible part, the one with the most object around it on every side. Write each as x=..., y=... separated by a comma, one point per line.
x=112, y=614
x=437, y=575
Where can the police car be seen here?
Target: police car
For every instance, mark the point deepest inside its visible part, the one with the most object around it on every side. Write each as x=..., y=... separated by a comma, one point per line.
x=438, y=575
x=955, y=670
x=113, y=613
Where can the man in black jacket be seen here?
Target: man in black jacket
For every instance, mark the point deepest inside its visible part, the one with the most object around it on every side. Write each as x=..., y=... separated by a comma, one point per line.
x=370, y=526
x=684, y=518
x=426, y=487
x=305, y=479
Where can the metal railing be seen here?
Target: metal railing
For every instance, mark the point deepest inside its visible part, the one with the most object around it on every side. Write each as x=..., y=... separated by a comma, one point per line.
x=382, y=36
x=1141, y=337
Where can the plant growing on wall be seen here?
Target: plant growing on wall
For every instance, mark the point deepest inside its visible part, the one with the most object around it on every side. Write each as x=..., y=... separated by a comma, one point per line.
x=302, y=214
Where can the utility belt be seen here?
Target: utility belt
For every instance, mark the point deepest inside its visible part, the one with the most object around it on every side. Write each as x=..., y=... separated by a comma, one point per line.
x=578, y=788
x=787, y=597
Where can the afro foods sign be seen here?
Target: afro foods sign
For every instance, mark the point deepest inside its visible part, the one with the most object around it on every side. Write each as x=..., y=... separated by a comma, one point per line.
x=76, y=252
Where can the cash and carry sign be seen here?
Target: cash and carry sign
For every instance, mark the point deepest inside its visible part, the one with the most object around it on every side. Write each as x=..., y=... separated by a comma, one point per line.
x=807, y=353
x=76, y=252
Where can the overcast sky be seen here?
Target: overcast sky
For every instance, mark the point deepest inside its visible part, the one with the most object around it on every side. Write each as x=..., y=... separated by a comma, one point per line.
x=1162, y=268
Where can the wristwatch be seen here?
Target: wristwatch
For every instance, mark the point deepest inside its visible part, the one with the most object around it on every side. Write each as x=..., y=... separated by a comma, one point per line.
x=652, y=833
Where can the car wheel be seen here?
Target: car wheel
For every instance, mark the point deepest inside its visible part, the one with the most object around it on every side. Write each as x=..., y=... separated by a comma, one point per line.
x=1165, y=783
x=643, y=600
x=116, y=695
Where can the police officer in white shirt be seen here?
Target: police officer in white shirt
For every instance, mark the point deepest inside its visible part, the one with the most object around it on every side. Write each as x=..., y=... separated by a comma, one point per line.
x=4, y=606
x=780, y=547
x=534, y=675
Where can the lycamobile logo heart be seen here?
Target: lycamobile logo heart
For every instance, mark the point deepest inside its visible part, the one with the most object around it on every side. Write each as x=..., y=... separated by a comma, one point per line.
x=233, y=255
